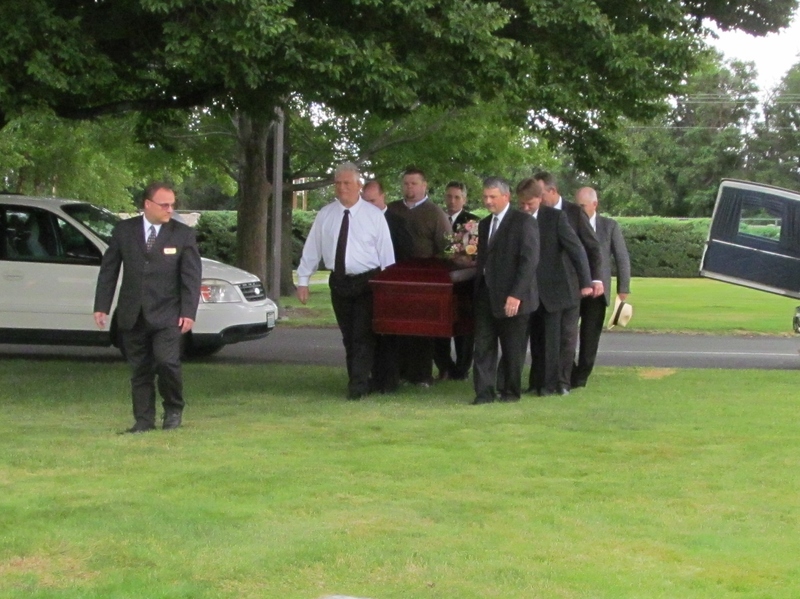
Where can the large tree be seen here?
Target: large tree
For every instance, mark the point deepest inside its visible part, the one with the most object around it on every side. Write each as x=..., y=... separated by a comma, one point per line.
x=676, y=161
x=572, y=68
x=773, y=155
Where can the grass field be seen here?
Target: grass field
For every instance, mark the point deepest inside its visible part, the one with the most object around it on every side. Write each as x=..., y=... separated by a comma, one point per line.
x=648, y=484
x=660, y=305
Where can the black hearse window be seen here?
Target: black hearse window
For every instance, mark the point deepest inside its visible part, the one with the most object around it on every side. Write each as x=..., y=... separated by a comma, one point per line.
x=762, y=221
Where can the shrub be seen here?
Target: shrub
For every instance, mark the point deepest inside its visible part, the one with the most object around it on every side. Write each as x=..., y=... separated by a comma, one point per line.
x=216, y=235
x=658, y=247
x=664, y=247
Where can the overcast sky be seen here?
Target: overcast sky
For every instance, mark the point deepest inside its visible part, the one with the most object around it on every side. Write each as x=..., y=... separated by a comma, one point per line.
x=774, y=54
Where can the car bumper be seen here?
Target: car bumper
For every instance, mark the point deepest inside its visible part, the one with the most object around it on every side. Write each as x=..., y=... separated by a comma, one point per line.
x=234, y=322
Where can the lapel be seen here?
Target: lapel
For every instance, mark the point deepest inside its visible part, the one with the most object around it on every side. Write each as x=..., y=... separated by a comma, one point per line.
x=139, y=233
x=602, y=228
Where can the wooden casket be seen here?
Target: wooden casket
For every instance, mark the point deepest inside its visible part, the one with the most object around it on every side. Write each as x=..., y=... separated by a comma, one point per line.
x=423, y=297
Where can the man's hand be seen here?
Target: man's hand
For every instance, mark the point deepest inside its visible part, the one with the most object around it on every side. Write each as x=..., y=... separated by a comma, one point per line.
x=622, y=296
x=302, y=294
x=512, y=306
x=186, y=324
x=598, y=288
x=100, y=319
x=587, y=291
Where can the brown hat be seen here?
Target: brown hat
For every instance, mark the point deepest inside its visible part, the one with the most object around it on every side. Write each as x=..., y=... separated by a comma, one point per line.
x=621, y=315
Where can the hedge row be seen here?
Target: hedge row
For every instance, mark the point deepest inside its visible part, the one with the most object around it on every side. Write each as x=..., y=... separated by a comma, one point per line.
x=664, y=247
x=659, y=247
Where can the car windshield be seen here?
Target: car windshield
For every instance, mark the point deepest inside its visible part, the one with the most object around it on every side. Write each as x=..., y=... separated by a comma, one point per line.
x=99, y=220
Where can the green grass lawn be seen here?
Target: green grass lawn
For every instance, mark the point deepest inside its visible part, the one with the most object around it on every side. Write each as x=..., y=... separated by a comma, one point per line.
x=651, y=483
x=659, y=305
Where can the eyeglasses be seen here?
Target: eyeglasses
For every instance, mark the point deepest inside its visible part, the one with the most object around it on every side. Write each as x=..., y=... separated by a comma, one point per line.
x=165, y=205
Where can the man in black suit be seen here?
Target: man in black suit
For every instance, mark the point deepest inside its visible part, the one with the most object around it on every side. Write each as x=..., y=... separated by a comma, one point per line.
x=157, y=303
x=562, y=278
x=580, y=224
x=386, y=367
x=455, y=199
x=593, y=309
x=505, y=294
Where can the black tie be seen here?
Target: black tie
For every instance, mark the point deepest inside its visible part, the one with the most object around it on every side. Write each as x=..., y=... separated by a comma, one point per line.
x=341, y=245
x=151, y=238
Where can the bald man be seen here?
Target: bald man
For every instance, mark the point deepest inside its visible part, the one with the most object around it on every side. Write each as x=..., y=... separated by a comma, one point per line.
x=593, y=309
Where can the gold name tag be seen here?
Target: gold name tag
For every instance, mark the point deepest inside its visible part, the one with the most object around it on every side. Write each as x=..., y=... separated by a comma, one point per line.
x=170, y=251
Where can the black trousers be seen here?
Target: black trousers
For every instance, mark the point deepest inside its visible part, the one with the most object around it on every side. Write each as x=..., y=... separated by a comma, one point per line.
x=154, y=353
x=593, y=315
x=490, y=376
x=352, y=305
x=442, y=357
x=386, y=367
x=553, y=337
x=416, y=358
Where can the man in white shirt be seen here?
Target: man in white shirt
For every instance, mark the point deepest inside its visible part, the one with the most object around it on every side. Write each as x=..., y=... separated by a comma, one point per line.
x=352, y=238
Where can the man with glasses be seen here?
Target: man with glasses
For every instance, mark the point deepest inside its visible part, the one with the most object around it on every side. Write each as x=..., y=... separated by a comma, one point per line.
x=157, y=303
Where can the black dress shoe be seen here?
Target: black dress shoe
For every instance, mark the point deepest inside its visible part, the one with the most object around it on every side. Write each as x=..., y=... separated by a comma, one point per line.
x=481, y=400
x=533, y=391
x=172, y=420
x=547, y=392
x=138, y=428
x=355, y=395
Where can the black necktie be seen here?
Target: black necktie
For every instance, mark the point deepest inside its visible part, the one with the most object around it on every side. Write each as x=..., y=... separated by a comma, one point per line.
x=493, y=230
x=341, y=245
x=151, y=238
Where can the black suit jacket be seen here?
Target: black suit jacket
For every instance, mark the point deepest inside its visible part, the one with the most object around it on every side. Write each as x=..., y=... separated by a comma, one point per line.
x=563, y=267
x=581, y=225
x=508, y=265
x=163, y=284
x=612, y=244
x=402, y=242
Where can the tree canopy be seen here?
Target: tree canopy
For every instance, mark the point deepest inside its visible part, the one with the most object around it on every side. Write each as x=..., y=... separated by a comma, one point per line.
x=571, y=68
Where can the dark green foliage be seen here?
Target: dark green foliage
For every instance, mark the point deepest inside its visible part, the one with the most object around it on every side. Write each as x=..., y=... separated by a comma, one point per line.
x=216, y=235
x=661, y=247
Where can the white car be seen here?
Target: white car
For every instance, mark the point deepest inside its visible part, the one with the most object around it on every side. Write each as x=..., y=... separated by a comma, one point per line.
x=50, y=255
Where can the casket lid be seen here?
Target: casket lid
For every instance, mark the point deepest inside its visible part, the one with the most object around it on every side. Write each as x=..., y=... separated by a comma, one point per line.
x=425, y=270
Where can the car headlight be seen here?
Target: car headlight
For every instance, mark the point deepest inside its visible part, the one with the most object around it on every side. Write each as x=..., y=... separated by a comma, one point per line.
x=214, y=291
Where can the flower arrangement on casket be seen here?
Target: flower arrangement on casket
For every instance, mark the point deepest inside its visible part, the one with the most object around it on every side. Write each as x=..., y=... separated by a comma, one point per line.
x=463, y=243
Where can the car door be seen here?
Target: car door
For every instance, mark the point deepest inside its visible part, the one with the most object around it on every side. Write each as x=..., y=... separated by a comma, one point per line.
x=48, y=270
x=754, y=239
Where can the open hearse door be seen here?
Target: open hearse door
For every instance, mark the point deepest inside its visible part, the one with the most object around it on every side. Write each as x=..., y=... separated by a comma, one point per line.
x=754, y=238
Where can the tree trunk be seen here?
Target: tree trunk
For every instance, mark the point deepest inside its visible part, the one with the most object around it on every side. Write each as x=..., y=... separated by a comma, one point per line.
x=254, y=191
x=287, y=243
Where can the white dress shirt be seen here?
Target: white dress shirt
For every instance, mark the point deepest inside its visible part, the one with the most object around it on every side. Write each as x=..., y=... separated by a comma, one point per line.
x=499, y=217
x=415, y=204
x=369, y=244
x=147, y=225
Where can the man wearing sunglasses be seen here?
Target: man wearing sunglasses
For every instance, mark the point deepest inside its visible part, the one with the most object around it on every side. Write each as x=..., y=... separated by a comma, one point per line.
x=157, y=303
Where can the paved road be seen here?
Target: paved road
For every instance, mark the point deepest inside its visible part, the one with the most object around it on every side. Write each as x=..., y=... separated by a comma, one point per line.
x=324, y=347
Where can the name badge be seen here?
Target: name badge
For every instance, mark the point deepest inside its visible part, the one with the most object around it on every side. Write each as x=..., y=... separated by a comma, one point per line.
x=170, y=251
